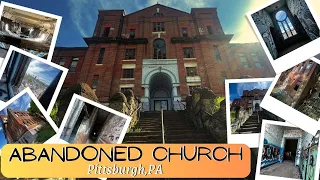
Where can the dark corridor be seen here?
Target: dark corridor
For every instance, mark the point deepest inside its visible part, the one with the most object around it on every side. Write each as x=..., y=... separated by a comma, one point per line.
x=290, y=149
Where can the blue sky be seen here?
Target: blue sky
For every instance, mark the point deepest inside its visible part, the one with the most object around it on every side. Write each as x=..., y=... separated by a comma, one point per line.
x=236, y=89
x=44, y=72
x=22, y=104
x=79, y=16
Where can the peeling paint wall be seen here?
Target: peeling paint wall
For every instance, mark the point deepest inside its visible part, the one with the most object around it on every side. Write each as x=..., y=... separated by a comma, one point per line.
x=271, y=148
x=301, y=10
x=263, y=21
x=274, y=134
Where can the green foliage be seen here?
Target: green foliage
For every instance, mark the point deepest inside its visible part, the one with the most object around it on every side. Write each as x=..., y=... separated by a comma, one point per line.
x=54, y=112
x=217, y=102
x=33, y=109
x=233, y=115
x=45, y=133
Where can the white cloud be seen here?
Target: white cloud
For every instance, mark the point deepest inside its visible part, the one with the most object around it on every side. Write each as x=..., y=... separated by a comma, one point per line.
x=250, y=86
x=84, y=13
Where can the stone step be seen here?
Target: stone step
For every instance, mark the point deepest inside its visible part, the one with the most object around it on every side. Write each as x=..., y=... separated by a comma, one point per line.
x=256, y=122
x=250, y=125
x=255, y=129
x=187, y=136
x=143, y=142
x=189, y=141
x=250, y=132
x=144, y=133
x=144, y=138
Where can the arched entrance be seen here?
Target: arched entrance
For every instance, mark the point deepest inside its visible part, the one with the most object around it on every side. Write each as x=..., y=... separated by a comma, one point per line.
x=160, y=92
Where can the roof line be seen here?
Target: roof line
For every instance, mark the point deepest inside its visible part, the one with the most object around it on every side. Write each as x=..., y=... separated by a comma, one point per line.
x=160, y=5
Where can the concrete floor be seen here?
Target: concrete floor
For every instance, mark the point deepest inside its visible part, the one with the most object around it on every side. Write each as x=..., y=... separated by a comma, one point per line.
x=284, y=169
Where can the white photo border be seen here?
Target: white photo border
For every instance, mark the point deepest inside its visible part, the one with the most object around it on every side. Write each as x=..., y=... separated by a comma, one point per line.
x=287, y=112
x=294, y=57
x=56, y=30
x=251, y=140
x=261, y=143
x=98, y=105
x=38, y=104
x=62, y=78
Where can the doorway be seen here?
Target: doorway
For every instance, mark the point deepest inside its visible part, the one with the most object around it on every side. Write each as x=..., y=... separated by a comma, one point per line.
x=160, y=92
x=290, y=149
x=158, y=104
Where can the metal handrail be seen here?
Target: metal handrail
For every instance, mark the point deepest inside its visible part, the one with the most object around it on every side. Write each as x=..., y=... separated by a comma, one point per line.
x=136, y=110
x=181, y=104
x=162, y=124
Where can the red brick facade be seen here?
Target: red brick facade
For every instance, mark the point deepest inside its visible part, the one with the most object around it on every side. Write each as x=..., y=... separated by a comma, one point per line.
x=246, y=100
x=215, y=58
x=17, y=123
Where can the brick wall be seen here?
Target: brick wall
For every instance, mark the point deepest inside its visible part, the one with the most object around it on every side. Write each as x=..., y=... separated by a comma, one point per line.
x=211, y=70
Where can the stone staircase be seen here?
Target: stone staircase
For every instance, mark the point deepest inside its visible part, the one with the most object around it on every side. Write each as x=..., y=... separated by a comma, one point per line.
x=178, y=129
x=251, y=125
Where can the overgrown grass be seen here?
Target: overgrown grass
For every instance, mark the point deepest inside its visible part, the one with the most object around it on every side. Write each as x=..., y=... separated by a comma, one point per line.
x=45, y=133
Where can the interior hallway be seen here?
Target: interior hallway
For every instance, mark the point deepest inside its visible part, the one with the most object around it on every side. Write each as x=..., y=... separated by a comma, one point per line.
x=285, y=169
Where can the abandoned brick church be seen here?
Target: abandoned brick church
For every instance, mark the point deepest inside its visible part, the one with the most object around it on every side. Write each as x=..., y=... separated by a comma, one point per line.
x=161, y=54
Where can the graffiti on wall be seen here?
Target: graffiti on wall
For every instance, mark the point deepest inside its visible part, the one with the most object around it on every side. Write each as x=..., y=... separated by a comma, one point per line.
x=270, y=155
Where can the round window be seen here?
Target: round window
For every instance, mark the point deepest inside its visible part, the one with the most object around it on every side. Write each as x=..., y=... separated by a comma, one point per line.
x=281, y=16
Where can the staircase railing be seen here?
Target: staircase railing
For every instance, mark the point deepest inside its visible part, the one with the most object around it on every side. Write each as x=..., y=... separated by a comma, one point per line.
x=180, y=103
x=162, y=124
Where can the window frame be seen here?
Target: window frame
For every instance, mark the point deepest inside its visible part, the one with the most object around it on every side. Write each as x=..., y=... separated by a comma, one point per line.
x=106, y=29
x=71, y=65
x=191, y=73
x=209, y=30
x=158, y=27
x=101, y=55
x=95, y=82
x=184, y=33
x=217, y=53
x=134, y=33
x=159, y=52
x=286, y=30
x=246, y=63
x=127, y=74
x=192, y=88
x=128, y=55
x=256, y=61
x=64, y=60
x=126, y=89
x=186, y=50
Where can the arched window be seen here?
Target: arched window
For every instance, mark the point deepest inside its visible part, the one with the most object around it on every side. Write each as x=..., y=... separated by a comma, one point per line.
x=157, y=14
x=285, y=25
x=159, y=49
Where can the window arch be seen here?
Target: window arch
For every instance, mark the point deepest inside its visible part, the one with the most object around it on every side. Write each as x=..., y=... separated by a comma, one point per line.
x=285, y=25
x=158, y=14
x=159, y=49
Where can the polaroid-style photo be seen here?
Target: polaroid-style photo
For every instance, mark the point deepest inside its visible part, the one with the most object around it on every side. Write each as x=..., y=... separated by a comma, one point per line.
x=287, y=152
x=31, y=30
x=25, y=121
x=317, y=57
x=244, y=114
x=22, y=69
x=88, y=122
x=295, y=96
x=288, y=31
